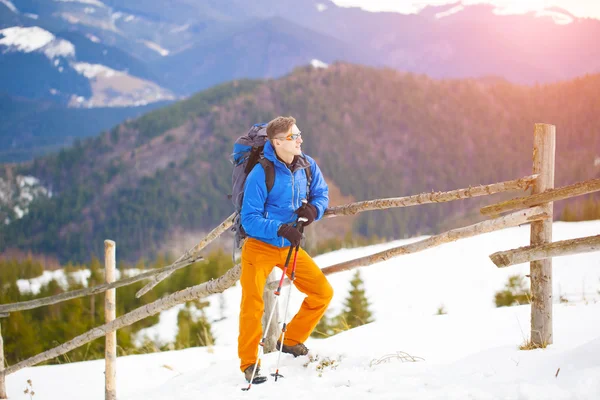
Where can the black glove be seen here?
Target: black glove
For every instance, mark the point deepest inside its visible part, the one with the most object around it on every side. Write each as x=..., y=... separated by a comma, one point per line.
x=290, y=233
x=307, y=211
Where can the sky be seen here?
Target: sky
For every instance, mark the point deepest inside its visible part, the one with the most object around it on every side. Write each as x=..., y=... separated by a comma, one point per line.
x=579, y=8
x=408, y=352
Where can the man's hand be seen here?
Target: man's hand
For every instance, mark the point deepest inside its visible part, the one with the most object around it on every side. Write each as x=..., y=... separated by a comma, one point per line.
x=290, y=233
x=307, y=211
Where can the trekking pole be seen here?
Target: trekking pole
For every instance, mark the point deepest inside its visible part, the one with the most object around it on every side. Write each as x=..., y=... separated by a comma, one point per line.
x=300, y=224
x=261, y=345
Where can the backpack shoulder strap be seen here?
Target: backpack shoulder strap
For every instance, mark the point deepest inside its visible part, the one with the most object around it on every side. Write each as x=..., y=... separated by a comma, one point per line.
x=269, y=172
x=308, y=174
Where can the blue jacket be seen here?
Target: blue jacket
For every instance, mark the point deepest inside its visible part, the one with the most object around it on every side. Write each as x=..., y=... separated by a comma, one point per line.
x=263, y=213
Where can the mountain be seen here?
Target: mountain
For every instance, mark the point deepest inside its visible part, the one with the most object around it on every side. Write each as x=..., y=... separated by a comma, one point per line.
x=258, y=49
x=189, y=46
x=152, y=182
x=457, y=41
x=30, y=128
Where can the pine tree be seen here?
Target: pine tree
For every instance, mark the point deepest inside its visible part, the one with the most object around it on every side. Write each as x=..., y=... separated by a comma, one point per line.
x=356, y=307
x=193, y=331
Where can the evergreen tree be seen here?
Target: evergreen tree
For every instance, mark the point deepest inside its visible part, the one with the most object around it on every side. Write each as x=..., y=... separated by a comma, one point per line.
x=515, y=292
x=356, y=307
x=193, y=331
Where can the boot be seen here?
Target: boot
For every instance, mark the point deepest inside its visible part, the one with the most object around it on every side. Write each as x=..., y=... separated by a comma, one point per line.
x=295, y=350
x=258, y=378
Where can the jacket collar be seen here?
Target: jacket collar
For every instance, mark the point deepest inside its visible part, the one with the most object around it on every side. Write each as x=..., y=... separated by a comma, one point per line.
x=269, y=152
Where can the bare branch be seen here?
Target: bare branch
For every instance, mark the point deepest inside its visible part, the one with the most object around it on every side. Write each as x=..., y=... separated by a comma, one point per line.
x=425, y=198
x=44, y=301
x=204, y=289
x=547, y=196
x=193, y=252
x=533, y=253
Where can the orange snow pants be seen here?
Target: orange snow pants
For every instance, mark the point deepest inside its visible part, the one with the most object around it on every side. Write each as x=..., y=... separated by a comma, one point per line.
x=258, y=259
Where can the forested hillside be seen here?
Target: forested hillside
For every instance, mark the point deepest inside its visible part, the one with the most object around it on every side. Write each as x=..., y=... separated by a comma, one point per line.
x=375, y=133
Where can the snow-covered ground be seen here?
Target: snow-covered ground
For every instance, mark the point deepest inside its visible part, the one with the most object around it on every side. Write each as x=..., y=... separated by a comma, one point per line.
x=472, y=352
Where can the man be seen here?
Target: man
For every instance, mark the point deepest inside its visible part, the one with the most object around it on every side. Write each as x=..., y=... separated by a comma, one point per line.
x=268, y=218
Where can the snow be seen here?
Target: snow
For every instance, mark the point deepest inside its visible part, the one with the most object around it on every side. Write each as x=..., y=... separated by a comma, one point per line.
x=90, y=2
x=471, y=352
x=321, y=7
x=18, y=194
x=154, y=46
x=558, y=17
x=59, y=48
x=29, y=39
x=25, y=39
x=27, y=180
x=32, y=16
x=10, y=6
x=34, y=285
x=318, y=64
x=81, y=276
x=91, y=71
x=93, y=38
x=179, y=29
x=451, y=11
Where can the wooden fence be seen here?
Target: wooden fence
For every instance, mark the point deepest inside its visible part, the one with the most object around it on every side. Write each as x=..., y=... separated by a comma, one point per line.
x=536, y=209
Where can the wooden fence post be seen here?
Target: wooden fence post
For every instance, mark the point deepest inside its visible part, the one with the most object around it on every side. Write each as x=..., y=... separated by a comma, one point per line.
x=2, y=376
x=269, y=299
x=110, y=311
x=544, y=145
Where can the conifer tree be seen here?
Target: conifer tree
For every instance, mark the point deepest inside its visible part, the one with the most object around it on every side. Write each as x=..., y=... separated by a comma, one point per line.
x=356, y=307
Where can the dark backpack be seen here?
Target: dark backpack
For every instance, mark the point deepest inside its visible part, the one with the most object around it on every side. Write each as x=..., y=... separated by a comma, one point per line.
x=247, y=152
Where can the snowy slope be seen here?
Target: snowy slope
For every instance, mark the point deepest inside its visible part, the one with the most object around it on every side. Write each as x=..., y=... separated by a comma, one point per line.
x=472, y=352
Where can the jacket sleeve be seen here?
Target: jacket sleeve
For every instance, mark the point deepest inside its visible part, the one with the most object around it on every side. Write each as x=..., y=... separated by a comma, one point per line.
x=319, y=191
x=253, y=206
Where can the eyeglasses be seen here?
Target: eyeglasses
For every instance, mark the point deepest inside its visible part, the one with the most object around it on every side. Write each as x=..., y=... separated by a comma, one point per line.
x=290, y=137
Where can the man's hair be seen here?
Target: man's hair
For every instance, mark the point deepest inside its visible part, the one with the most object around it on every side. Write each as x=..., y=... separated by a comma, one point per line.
x=279, y=125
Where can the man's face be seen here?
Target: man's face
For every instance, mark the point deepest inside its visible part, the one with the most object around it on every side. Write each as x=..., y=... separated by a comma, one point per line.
x=290, y=142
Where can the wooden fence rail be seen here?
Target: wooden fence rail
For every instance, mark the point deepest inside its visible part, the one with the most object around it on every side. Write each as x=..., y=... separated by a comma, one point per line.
x=555, y=249
x=546, y=196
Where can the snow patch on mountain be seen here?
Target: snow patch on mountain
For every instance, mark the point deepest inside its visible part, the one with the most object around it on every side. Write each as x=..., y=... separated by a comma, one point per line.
x=92, y=71
x=112, y=88
x=16, y=196
x=318, y=63
x=321, y=7
x=90, y=2
x=59, y=48
x=559, y=18
x=10, y=6
x=29, y=39
x=93, y=38
x=153, y=46
x=26, y=40
x=451, y=11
